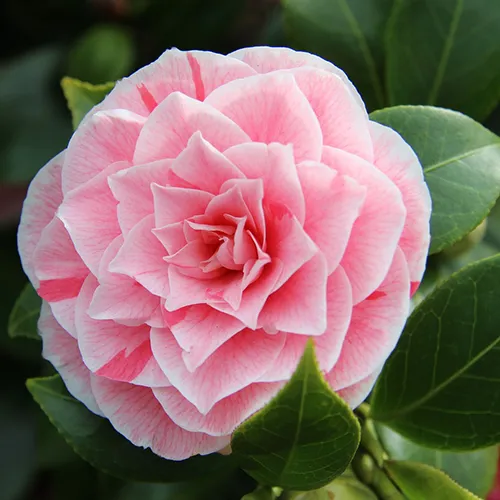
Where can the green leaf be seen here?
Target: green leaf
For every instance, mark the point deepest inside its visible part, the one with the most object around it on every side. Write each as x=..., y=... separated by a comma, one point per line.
x=95, y=440
x=261, y=493
x=348, y=33
x=422, y=482
x=105, y=53
x=440, y=386
x=461, y=162
x=473, y=470
x=83, y=96
x=343, y=488
x=24, y=316
x=445, y=53
x=304, y=438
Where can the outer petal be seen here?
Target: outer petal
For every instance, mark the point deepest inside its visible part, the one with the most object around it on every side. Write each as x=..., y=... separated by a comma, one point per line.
x=398, y=161
x=375, y=328
x=271, y=108
x=299, y=306
x=64, y=312
x=59, y=268
x=328, y=345
x=104, y=138
x=355, y=394
x=236, y=364
x=112, y=350
x=267, y=59
x=343, y=122
x=224, y=417
x=135, y=412
x=43, y=199
x=175, y=120
x=89, y=215
x=62, y=351
x=132, y=188
x=333, y=203
x=275, y=165
x=376, y=232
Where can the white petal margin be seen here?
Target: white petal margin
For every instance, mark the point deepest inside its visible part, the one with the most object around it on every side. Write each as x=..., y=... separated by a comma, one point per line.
x=136, y=414
x=355, y=394
x=61, y=349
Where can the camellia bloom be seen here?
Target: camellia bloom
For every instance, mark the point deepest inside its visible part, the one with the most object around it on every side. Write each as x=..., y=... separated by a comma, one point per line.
x=206, y=219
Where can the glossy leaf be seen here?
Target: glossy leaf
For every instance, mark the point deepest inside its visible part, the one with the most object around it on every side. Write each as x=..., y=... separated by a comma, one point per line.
x=440, y=386
x=261, y=493
x=95, y=440
x=474, y=470
x=461, y=162
x=348, y=33
x=343, y=488
x=83, y=96
x=445, y=53
x=304, y=438
x=24, y=316
x=423, y=482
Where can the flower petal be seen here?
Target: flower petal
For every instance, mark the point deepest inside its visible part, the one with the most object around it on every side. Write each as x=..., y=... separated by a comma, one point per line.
x=237, y=363
x=104, y=138
x=333, y=203
x=299, y=306
x=113, y=350
x=171, y=125
x=271, y=108
x=355, y=394
x=376, y=232
x=43, y=198
x=375, y=328
x=399, y=162
x=225, y=415
x=61, y=349
x=136, y=413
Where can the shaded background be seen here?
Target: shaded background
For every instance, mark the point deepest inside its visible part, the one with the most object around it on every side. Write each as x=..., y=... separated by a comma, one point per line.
x=99, y=41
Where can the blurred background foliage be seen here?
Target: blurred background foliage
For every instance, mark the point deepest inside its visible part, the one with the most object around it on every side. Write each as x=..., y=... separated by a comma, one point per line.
x=103, y=40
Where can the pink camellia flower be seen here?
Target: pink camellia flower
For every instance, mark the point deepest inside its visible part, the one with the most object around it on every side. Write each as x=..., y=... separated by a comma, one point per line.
x=206, y=219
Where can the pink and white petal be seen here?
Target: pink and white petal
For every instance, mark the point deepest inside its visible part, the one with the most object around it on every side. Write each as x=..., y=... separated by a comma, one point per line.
x=112, y=350
x=376, y=232
x=271, y=108
x=136, y=413
x=355, y=394
x=200, y=330
x=172, y=236
x=132, y=188
x=141, y=258
x=64, y=312
x=174, y=204
x=399, y=162
x=275, y=165
x=300, y=305
x=61, y=349
x=329, y=344
x=171, y=125
x=211, y=70
x=236, y=364
x=143, y=90
x=41, y=203
x=255, y=295
x=224, y=417
x=202, y=166
x=375, y=328
x=58, y=267
x=343, y=122
x=104, y=138
x=333, y=203
x=89, y=215
x=267, y=59
x=287, y=241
